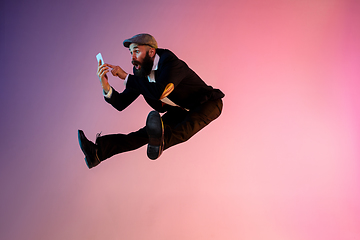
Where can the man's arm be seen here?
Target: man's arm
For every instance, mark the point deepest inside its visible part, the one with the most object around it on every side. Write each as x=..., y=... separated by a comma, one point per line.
x=122, y=100
x=118, y=100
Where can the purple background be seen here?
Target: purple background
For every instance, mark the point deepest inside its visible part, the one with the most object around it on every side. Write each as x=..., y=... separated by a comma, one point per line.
x=282, y=161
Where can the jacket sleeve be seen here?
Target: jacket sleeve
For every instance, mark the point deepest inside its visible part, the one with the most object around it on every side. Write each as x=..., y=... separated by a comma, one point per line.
x=120, y=101
x=171, y=70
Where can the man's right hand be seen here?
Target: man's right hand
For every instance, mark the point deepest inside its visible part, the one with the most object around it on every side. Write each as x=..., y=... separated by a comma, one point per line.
x=101, y=72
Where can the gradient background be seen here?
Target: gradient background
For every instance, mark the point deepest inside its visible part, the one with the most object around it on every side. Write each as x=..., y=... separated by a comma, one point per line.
x=282, y=161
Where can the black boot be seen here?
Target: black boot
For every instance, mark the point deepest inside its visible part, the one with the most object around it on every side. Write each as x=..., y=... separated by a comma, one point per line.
x=155, y=131
x=89, y=149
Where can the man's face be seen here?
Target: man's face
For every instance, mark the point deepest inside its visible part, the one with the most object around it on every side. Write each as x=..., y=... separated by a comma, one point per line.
x=138, y=53
x=141, y=59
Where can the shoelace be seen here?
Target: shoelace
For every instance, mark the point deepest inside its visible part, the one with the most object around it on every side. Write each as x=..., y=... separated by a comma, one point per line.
x=97, y=135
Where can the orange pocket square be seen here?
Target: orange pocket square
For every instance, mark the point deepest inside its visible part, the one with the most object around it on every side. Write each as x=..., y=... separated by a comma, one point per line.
x=168, y=89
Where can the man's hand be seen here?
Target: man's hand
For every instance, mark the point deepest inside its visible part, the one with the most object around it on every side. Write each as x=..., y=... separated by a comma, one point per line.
x=117, y=71
x=101, y=72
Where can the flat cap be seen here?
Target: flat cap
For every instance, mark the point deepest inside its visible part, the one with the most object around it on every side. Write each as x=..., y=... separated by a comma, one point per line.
x=142, y=39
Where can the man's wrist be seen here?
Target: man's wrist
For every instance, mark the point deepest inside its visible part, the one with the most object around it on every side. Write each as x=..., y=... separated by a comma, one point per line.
x=106, y=88
x=123, y=77
x=107, y=94
x=106, y=91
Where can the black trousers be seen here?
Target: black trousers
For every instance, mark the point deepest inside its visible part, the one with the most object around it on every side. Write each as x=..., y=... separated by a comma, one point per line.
x=179, y=126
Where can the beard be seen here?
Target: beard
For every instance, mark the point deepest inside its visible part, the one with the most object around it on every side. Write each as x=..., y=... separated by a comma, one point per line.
x=145, y=68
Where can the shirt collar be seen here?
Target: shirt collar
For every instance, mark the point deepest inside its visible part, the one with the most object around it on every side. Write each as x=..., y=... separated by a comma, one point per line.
x=156, y=62
x=151, y=76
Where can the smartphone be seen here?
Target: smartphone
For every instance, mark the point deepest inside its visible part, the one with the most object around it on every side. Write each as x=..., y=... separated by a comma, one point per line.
x=99, y=57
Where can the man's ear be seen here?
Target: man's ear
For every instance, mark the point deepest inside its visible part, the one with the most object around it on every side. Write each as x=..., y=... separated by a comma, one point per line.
x=152, y=52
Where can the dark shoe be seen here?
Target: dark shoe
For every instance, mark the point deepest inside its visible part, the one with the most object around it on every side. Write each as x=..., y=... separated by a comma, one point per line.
x=89, y=149
x=155, y=131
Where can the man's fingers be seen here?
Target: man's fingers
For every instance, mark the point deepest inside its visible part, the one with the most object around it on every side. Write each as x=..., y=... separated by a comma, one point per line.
x=105, y=68
x=102, y=70
x=102, y=67
x=103, y=74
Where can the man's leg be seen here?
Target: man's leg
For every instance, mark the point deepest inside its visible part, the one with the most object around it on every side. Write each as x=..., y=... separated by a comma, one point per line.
x=110, y=145
x=181, y=125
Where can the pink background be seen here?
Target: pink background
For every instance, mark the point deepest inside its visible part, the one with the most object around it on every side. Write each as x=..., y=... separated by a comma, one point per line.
x=282, y=161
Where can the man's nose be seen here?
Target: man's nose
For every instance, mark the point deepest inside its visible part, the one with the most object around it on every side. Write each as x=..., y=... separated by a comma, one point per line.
x=133, y=56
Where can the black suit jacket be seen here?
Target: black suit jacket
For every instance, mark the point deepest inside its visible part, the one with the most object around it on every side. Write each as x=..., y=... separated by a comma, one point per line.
x=189, y=90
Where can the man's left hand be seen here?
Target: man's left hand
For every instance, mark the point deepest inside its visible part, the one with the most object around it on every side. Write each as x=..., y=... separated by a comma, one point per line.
x=117, y=71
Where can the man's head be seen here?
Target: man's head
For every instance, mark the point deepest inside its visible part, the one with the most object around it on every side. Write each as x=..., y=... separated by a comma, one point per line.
x=142, y=49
